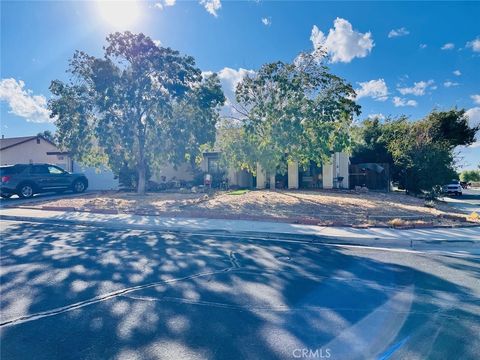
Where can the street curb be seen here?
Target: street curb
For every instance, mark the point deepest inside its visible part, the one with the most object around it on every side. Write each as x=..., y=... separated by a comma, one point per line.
x=375, y=242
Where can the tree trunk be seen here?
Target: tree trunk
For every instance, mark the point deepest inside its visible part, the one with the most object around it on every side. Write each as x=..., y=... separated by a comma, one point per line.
x=141, y=180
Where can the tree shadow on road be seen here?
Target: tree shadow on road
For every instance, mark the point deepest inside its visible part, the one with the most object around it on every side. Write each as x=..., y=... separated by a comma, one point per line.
x=73, y=292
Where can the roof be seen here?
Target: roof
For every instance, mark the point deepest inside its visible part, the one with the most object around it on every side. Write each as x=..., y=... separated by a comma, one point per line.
x=6, y=143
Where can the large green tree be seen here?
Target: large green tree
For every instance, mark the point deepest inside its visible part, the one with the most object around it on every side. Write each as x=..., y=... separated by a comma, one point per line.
x=296, y=111
x=138, y=107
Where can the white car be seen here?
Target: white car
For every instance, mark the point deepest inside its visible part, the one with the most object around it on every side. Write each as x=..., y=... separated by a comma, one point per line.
x=454, y=188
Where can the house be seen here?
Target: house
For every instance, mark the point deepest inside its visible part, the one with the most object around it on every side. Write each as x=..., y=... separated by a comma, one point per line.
x=37, y=149
x=32, y=149
x=334, y=174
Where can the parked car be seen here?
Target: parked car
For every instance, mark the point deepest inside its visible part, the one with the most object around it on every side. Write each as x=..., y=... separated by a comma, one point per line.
x=26, y=180
x=454, y=188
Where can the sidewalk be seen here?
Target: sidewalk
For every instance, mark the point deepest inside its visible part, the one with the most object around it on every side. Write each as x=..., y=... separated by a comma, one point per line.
x=376, y=237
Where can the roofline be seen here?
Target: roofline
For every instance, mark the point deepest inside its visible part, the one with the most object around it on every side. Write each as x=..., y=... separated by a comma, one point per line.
x=27, y=140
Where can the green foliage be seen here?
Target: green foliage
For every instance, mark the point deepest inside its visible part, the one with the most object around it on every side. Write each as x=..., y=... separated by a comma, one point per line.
x=470, y=175
x=298, y=111
x=47, y=134
x=138, y=107
x=421, y=153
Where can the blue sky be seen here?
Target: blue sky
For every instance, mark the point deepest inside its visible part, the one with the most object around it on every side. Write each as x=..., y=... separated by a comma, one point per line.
x=403, y=58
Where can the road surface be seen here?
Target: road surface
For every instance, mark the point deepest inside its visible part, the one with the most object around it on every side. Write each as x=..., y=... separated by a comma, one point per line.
x=71, y=292
x=468, y=202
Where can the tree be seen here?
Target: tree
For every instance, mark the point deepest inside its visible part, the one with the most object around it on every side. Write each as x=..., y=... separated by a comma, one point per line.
x=137, y=108
x=470, y=175
x=451, y=127
x=47, y=134
x=295, y=111
x=421, y=152
x=422, y=161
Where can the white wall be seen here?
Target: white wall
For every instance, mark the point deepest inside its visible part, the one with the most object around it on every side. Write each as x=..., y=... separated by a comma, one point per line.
x=98, y=178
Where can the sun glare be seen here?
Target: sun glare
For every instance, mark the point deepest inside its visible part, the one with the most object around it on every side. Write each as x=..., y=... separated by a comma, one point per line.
x=119, y=14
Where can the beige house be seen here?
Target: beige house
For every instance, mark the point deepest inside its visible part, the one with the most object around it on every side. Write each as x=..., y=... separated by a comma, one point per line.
x=331, y=175
x=32, y=149
x=37, y=149
x=334, y=174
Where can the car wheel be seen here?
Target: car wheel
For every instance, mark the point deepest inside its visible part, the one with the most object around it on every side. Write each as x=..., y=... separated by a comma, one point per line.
x=25, y=191
x=78, y=186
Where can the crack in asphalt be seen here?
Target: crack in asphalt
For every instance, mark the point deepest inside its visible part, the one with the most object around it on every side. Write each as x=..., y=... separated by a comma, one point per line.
x=104, y=297
x=287, y=308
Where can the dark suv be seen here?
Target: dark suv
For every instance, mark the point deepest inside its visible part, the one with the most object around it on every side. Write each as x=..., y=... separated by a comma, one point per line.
x=25, y=180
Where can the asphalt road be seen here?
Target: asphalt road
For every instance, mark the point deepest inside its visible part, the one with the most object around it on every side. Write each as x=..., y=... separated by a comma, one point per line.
x=85, y=293
x=469, y=201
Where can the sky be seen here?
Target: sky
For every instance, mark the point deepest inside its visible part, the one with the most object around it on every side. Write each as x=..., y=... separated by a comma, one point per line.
x=402, y=58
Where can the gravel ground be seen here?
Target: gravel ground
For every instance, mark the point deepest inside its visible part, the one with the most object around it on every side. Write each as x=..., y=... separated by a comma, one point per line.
x=324, y=207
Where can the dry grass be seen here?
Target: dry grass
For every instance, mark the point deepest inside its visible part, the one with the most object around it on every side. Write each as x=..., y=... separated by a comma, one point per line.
x=325, y=207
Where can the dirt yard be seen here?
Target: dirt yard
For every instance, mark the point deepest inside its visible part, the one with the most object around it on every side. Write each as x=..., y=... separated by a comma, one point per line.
x=327, y=207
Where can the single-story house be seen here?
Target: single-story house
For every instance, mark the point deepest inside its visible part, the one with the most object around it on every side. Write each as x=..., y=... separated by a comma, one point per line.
x=334, y=174
x=37, y=149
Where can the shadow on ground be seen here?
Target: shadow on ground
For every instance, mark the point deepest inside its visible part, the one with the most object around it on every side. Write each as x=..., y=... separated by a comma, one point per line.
x=74, y=293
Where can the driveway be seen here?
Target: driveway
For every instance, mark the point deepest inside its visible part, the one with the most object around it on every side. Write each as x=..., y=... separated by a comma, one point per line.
x=468, y=202
x=71, y=292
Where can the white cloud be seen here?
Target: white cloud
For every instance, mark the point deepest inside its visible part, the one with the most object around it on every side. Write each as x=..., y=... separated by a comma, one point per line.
x=448, y=46
x=22, y=102
x=229, y=78
x=211, y=6
x=448, y=84
x=423, y=46
x=376, y=89
x=400, y=102
x=398, y=32
x=267, y=21
x=418, y=88
x=160, y=5
x=342, y=43
x=473, y=115
x=474, y=44
x=476, y=98
x=376, y=116
x=457, y=73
